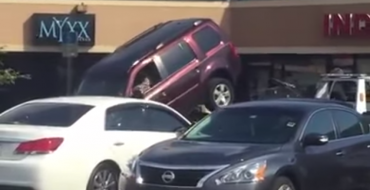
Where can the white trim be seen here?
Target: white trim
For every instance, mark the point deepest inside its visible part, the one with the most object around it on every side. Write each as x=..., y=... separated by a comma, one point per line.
x=305, y=50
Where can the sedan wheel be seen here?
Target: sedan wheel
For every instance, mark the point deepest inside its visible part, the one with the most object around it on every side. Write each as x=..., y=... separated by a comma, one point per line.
x=282, y=183
x=104, y=177
x=105, y=180
x=284, y=187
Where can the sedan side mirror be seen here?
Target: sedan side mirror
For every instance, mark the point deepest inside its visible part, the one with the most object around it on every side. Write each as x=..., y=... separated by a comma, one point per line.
x=315, y=139
x=180, y=131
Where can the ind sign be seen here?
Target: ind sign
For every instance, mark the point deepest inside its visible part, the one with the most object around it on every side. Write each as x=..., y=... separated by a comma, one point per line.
x=347, y=25
x=51, y=29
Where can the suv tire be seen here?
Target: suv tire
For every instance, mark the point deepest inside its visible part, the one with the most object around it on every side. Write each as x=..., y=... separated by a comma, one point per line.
x=220, y=92
x=104, y=169
x=282, y=183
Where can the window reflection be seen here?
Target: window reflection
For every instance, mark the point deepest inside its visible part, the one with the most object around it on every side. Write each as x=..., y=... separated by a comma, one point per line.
x=285, y=76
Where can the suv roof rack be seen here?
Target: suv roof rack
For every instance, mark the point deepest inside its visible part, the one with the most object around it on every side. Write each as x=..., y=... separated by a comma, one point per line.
x=345, y=75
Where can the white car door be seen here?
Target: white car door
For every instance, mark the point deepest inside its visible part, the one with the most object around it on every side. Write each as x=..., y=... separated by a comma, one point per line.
x=120, y=122
x=131, y=128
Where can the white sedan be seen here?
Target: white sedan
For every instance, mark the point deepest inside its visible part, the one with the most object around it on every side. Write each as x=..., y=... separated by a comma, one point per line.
x=79, y=143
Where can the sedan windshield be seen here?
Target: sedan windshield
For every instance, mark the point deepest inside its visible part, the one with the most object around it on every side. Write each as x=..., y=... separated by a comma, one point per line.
x=259, y=125
x=45, y=114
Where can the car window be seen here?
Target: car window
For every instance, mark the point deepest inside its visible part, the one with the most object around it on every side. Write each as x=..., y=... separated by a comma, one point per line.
x=367, y=90
x=176, y=57
x=262, y=125
x=365, y=121
x=207, y=38
x=344, y=91
x=321, y=123
x=125, y=118
x=348, y=124
x=163, y=121
x=45, y=114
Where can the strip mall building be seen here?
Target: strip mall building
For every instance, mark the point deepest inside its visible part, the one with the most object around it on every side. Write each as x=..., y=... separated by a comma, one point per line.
x=292, y=40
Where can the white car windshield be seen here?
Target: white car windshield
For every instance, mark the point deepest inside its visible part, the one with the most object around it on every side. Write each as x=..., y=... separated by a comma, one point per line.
x=265, y=125
x=45, y=114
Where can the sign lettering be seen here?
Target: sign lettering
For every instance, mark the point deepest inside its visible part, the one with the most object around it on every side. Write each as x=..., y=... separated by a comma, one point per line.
x=51, y=29
x=57, y=28
x=341, y=25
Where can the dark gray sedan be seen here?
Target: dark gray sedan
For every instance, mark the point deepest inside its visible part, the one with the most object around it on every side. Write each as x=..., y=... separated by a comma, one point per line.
x=262, y=145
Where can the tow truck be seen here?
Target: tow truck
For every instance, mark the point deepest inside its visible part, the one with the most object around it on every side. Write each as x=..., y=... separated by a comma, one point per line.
x=351, y=88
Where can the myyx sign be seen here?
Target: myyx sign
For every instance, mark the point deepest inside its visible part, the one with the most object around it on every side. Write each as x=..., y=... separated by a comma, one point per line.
x=52, y=29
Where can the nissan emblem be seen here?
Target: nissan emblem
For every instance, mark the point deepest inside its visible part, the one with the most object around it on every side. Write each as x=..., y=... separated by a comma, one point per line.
x=168, y=176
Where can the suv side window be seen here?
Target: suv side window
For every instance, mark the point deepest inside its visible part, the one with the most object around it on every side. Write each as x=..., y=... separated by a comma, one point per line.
x=207, y=38
x=321, y=123
x=367, y=90
x=177, y=56
x=344, y=91
x=348, y=124
x=163, y=121
x=126, y=118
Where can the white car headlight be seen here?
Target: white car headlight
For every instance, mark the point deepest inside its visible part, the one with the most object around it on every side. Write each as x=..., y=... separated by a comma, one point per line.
x=244, y=174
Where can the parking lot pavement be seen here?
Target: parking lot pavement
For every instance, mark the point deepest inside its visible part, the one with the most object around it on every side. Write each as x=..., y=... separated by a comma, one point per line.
x=122, y=183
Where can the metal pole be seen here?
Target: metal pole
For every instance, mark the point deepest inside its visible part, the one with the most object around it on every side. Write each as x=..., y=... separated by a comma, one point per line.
x=69, y=81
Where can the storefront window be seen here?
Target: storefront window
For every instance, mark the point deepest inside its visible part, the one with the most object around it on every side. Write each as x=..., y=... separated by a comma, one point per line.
x=285, y=75
x=363, y=65
x=344, y=62
x=258, y=78
x=304, y=74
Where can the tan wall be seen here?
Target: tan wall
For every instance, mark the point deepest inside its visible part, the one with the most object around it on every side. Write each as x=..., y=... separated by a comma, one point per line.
x=255, y=26
x=294, y=25
x=116, y=22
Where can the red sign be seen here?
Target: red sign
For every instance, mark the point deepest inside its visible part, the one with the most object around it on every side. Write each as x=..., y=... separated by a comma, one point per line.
x=352, y=24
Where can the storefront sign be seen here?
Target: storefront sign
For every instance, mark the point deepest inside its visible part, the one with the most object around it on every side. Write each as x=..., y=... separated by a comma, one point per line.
x=351, y=24
x=51, y=29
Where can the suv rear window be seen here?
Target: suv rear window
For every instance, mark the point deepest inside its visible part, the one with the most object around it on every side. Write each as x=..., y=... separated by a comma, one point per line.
x=177, y=56
x=207, y=38
x=45, y=114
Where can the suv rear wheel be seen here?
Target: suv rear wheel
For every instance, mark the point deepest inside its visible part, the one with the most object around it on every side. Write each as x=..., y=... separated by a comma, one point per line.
x=220, y=93
x=282, y=183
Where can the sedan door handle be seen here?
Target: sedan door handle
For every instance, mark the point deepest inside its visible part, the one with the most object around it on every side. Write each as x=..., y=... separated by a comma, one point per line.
x=368, y=146
x=339, y=153
x=118, y=143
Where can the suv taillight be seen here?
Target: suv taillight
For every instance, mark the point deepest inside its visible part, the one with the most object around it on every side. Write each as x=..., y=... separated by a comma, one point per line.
x=39, y=146
x=233, y=50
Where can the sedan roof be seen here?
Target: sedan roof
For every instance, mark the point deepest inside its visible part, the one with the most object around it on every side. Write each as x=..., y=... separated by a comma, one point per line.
x=299, y=104
x=93, y=100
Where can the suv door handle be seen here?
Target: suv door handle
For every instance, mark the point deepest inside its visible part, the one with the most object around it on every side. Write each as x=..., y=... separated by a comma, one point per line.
x=340, y=153
x=164, y=94
x=118, y=143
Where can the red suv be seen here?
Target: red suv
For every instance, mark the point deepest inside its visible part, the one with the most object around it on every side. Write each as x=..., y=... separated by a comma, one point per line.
x=182, y=63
